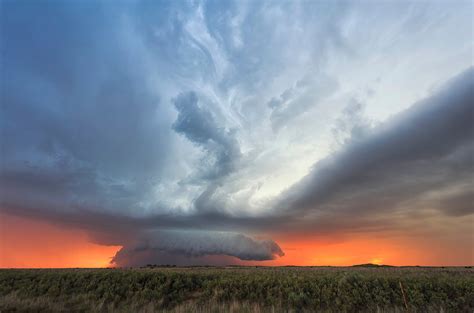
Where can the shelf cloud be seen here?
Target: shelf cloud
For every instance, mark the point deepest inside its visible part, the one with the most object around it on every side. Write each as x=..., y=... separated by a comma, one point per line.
x=194, y=245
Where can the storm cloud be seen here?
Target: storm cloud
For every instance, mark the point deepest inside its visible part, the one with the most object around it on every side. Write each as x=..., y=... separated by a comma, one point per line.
x=193, y=245
x=427, y=147
x=183, y=131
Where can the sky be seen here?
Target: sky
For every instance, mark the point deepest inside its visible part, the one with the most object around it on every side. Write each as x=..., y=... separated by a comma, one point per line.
x=236, y=132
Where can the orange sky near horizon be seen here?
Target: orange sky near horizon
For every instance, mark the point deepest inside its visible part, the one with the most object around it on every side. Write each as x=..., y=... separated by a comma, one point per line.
x=29, y=243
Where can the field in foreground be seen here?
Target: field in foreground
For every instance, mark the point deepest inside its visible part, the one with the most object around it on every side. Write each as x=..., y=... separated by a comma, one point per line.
x=246, y=289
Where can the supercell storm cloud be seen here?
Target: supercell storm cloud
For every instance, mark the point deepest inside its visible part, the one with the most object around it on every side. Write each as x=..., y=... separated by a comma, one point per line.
x=197, y=132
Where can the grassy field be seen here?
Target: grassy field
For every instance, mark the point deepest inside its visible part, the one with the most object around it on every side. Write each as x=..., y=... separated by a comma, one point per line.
x=239, y=289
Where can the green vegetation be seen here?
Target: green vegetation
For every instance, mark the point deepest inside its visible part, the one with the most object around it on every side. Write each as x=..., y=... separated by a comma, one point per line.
x=246, y=289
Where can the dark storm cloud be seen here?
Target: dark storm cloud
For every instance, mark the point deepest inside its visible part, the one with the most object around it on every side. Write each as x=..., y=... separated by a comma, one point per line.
x=388, y=170
x=424, y=149
x=80, y=127
x=85, y=139
x=193, y=245
x=395, y=165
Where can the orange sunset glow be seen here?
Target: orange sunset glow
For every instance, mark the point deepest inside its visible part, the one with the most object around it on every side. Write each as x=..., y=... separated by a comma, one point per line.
x=27, y=243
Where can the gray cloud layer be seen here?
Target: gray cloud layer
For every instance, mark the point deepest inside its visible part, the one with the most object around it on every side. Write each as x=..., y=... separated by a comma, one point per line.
x=195, y=245
x=419, y=160
x=406, y=153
